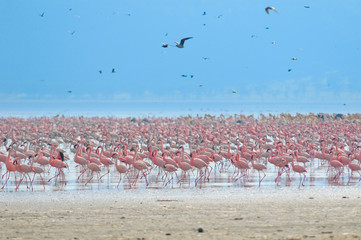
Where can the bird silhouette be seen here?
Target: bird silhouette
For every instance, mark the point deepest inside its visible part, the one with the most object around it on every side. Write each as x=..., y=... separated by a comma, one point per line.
x=204, y=13
x=100, y=71
x=270, y=8
x=181, y=44
x=165, y=45
x=42, y=15
x=234, y=91
x=69, y=91
x=113, y=70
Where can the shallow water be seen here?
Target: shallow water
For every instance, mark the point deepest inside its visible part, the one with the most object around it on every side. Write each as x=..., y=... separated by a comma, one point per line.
x=221, y=177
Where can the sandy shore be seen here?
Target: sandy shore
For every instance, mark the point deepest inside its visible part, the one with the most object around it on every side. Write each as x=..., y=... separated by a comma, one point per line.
x=289, y=213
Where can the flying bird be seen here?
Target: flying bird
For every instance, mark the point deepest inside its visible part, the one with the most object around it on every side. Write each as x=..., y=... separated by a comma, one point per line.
x=164, y=45
x=113, y=70
x=71, y=32
x=183, y=75
x=289, y=70
x=219, y=16
x=274, y=42
x=234, y=91
x=100, y=71
x=200, y=85
x=42, y=15
x=270, y=8
x=293, y=58
x=192, y=76
x=205, y=58
x=181, y=44
x=204, y=13
x=307, y=6
x=69, y=91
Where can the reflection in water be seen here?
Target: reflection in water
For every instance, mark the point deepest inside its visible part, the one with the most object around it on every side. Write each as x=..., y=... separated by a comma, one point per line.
x=221, y=177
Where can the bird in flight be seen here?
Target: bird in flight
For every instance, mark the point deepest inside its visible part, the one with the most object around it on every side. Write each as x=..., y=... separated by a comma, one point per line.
x=205, y=58
x=42, y=15
x=69, y=91
x=289, y=70
x=192, y=76
x=234, y=91
x=164, y=45
x=71, y=32
x=204, y=13
x=293, y=58
x=100, y=71
x=200, y=85
x=183, y=75
x=113, y=70
x=181, y=44
x=270, y=8
x=307, y=6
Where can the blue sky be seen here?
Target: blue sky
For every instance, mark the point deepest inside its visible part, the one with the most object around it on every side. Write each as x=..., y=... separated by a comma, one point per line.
x=41, y=60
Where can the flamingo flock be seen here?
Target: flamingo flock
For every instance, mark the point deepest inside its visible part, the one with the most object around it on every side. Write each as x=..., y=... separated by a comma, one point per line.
x=184, y=150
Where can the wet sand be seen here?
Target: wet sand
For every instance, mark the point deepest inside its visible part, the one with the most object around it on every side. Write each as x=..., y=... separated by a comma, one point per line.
x=283, y=213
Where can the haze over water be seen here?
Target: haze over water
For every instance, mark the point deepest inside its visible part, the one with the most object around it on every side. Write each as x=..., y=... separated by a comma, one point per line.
x=161, y=109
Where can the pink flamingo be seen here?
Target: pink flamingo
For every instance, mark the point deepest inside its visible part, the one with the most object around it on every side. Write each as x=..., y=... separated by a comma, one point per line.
x=59, y=164
x=241, y=165
x=185, y=166
x=141, y=166
x=10, y=168
x=260, y=168
x=93, y=167
x=199, y=164
x=354, y=168
x=301, y=170
x=105, y=161
x=37, y=170
x=338, y=166
x=25, y=170
x=121, y=168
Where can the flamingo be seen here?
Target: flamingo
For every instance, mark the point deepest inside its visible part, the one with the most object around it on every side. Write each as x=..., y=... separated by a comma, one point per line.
x=199, y=164
x=241, y=165
x=121, y=168
x=185, y=166
x=354, y=168
x=10, y=168
x=260, y=168
x=59, y=164
x=301, y=170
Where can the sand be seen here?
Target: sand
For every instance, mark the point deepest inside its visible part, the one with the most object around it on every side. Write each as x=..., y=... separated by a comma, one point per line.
x=225, y=213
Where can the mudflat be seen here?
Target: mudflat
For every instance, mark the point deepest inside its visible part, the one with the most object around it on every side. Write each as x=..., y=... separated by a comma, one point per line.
x=289, y=213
